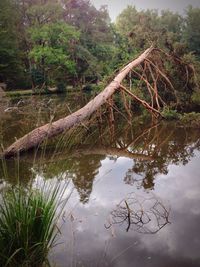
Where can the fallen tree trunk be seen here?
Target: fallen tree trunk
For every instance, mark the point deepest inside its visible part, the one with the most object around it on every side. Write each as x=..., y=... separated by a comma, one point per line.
x=38, y=135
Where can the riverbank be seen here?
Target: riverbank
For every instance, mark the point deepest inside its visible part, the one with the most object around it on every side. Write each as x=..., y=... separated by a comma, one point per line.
x=30, y=92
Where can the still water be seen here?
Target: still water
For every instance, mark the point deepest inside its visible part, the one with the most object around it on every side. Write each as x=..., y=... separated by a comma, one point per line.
x=135, y=188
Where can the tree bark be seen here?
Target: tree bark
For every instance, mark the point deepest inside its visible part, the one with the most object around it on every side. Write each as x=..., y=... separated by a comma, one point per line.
x=38, y=135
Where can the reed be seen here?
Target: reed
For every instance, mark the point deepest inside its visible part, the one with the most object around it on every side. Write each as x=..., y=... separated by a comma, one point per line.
x=28, y=224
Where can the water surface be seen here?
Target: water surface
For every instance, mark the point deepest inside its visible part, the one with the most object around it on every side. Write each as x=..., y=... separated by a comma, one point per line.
x=135, y=187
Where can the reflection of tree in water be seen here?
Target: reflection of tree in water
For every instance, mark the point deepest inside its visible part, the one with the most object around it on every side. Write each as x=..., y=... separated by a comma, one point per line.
x=151, y=147
x=81, y=169
x=83, y=172
x=144, y=215
x=167, y=145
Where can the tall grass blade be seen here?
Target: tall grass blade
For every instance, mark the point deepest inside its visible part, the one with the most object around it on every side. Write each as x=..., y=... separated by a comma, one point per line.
x=28, y=223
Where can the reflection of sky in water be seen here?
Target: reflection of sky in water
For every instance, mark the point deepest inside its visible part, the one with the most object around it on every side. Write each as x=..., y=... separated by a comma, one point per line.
x=100, y=183
x=88, y=243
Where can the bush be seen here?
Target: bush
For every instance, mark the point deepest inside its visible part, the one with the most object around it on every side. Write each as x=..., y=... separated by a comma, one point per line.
x=28, y=224
x=91, y=88
x=170, y=114
x=196, y=98
x=191, y=119
x=61, y=88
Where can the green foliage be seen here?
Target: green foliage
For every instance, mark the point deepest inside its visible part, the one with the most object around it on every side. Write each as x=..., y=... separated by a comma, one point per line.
x=94, y=54
x=191, y=119
x=169, y=114
x=42, y=12
x=37, y=77
x=60, y=43
x=28, y=224
x=191, y=29
x=11, y=66
x=196, y=97
x=52, y=45
x=167, y=31
x=61, y=88
x=142, y=28
x=92, y=88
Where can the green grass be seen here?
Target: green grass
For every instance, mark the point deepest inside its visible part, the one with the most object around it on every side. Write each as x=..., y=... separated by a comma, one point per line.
x=28, y=224
x=27, y=93
x=17, y=93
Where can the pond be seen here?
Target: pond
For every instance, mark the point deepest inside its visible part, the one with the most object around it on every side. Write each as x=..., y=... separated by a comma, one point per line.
x=134, y=187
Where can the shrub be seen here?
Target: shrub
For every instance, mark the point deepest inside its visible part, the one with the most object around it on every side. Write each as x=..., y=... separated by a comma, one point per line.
x=61, y=88
x=170, y=114
x=196, y=98
x=191, y=119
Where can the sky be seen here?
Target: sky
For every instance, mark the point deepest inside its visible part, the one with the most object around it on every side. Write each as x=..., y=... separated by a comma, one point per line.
x=116, y=6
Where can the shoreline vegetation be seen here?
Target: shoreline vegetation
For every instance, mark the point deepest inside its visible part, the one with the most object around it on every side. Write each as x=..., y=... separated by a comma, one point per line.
x=68, y=89
x=30, y=92
x=154, y=102
x=53, y=45
x=29, y=223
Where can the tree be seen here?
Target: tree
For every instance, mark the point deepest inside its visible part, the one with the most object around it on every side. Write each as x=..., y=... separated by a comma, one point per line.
x=11, y=66
x=191, y=29
x=146, y=27
x=38, y=135
x=53, y=47
x=139, y=28
x=94, y=53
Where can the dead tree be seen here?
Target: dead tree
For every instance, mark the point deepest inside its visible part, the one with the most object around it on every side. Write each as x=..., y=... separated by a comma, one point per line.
x=38, y=135
x=149, y=68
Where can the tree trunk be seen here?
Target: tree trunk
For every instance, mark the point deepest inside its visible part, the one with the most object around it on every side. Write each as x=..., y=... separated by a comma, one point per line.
x=38, y=135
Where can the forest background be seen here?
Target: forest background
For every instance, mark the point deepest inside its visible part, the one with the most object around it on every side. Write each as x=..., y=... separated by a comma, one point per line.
x=48, y=43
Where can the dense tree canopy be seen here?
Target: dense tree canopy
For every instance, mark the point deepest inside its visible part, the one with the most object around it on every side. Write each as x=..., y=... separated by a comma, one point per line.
x=11, y=68
x=191, y=29
x=70, y=42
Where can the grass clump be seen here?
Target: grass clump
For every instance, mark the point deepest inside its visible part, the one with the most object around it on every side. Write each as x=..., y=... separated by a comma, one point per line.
x=28, y=224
